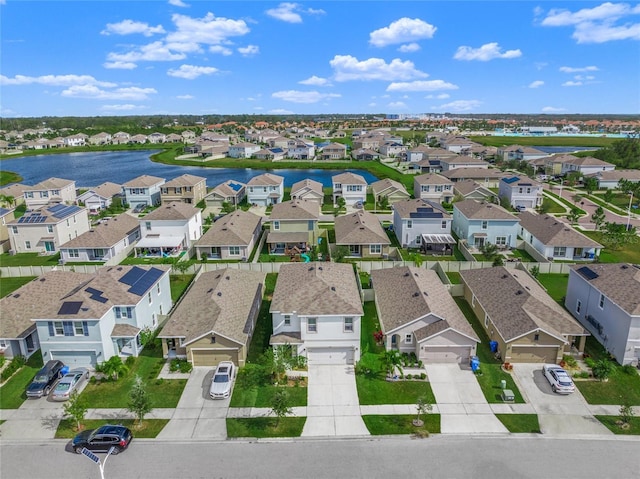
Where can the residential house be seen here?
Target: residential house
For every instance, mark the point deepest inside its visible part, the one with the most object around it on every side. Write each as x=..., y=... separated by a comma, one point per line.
x=279, y=142
x=186, y=188
x=157, y=137
x=120, y=138
x=334, y=151
x=294, y=227
x=586, y=165
x=362, y=154
x=301, y=150
x=13, y=194
x=45, y=230
x=53, y=190
x=231, y=237
x=173, y=138
x=79, y=139
x=308, y=190
x=230, y=192
x=138, y=139
x=553, y=164
x=100, y=139
x=457, y=144
x=363, y=234
x=470, y=190
x=265, y=189
x=100, y=197
x=479, y=223
x=271, y=154
x=7, y=215
x=106, y=240
x=243, y=150
x=521, y=192
x=188, y=136
x=169, y=230
x=451, y=163
x=367, y=143
x=418, y=315
x=316, y=309
x=518, y=314
x=389, y=190
x=349, y=186
x=609, y=179
x=488, y=177
x=423, y=224
x=605, y=299
x=392, y=149
x=556, y=240
x=215, y=319
x=143, y=190
x=432, y=186
x=519, y=153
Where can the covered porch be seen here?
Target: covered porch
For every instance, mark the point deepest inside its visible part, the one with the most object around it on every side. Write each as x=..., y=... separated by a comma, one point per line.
x=437, y=243
x=287, y=243
x=156, y=246
x=126, y=340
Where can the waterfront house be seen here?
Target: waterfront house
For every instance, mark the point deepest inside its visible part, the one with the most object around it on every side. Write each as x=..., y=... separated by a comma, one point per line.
x=230, y=192
x=308, y=190
x=186, y=188
x=453, y=162
x=231, y=237
x=52, y=190
x=143, y=190
x=389, y=189
x=169, y=230
x=265, y=189
x=350, y=186
x=301, y=150
x=334, y=151
x=100, y=197
x=243, y=150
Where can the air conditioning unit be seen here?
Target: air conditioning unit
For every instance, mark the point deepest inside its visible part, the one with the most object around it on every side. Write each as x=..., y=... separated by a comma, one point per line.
x=12, y=252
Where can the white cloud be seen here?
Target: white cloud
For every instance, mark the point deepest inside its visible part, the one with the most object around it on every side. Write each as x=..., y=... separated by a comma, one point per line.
x=441, y=96
x=221, y=50
x=372, y=104
x=119, y=65
x=296, y=96
x=540, y=65
x=54, y=80
x=185, y=97
x=397, y=105
x=422, y=85
x=409, y=48
x=125, y=107
x=191, y=72
x=156, y=52
x=178, y=3
x=291, y=12
x=347, y=68
x=460, y=105
x=210, y=30
x=488, y=51
x=536, y=84
x=249, y=50
x=597, y=24
x=95, y=93
x=129, y=27
x=403, y=30
x=572, y=83
x=315, y=81
x=278, y=111
x=552, y=109
x=6, y=111
x=591, y=68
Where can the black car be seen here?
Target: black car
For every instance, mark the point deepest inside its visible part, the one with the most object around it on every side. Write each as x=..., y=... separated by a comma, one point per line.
x=45, y=379
x=103, y=439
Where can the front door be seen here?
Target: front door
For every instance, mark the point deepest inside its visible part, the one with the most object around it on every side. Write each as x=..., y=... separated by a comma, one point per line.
x=479, y=243
x=216, y=252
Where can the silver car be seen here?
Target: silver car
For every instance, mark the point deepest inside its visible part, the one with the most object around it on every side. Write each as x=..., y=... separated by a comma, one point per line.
x=222, y=380
x=559, y=379
x=69, y=383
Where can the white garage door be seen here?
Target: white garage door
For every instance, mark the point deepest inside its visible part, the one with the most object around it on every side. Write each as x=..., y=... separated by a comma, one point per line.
x=446, y=354
x=330, y=356
x=75, y=359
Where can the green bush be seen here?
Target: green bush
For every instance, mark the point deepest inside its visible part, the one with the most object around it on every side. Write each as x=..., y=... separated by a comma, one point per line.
x=159, y=381
x=423, y=376
x=602, y=369
x=13, y=366
x=570, y=361
x=581, y=375
x=2, y=360
x=590, y=362
x=185, y=366
x=130, y=361
x=408, y=376
x=629, y=369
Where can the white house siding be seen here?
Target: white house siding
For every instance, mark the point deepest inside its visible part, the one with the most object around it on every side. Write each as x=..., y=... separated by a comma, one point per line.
x=447, y=347
x=408, y=237
x=190, y=230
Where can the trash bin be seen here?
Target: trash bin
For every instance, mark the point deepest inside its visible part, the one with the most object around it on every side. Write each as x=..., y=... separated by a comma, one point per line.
x=475, y=363
x=64, y=370
x=503, y=384
x=493, y=345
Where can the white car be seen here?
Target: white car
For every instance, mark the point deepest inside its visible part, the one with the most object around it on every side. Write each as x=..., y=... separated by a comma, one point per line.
x=559, y=379
x=222, y=380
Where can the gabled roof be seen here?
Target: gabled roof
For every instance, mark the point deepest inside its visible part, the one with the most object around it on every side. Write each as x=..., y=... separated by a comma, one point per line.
x=233, y=229
x=587, y=161
x=466, y=187
x=16, y=190
x=480, y=210
x=617, y=175
x=50, y=184
x=184, y=180
x=419, y=208
x=513, y=181
x=329, y=289
x=268, y=179
x=52, y=214
x=432, y=179
x=105, y=234
x=349, y=178
x=390, y=185
x=219, y=302
x=480, y=173
x=517, y=304
x=307, y=184
x=228, y=188
x=620, y=283
x=299, y=209
x=551, y=231
x=143, y=181
x=176, y=210
x=360, y=227
x=107, y=189
x=408, y=293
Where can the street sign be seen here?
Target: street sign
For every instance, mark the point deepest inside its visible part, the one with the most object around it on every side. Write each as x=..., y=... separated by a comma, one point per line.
x=90, y=455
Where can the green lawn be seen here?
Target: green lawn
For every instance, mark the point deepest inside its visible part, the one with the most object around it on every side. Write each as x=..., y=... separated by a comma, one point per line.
x=115, y=394
x=611, y=423
x=179, y=283
x=9, y=285
x=523, y=255
x=29, y=259
x=621, y=200
x=551, y=206
x=555, y=284
x=492, y=373
x=7, y=177
x=596, y=142
x=381, y=425
x=264, y=327
x=262, y=396
x=149, y=430
x=369, y=325
x=12, y=393
x=132, y=260
x=566, y=202
x=454, y=277
x=625, y=253
x=520, y=422
x=265, y=427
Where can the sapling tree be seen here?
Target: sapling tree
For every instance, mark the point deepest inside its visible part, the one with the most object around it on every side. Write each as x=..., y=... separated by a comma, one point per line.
x=281, y=405
x=139, y=400
x=76, y=408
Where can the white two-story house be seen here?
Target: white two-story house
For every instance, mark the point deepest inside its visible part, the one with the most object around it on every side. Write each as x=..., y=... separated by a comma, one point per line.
x=169, y=230
x=143, y=190
x=350, y=186
x=434, y=187
x=266, y=189
x=521, y=192
x=243, y=150
x=422, y=224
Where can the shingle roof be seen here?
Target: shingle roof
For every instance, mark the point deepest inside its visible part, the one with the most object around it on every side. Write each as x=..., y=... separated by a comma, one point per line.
x=233, y=229
x=551, y=231
x=219, y=301
x=225, y=189
x=107, y=189
x=329, y=288
x=348, y=178
x=432, y=179
x=296, y=210
x=517, y=304
x=185, y=180
x=172, y=211
x=51, y=183
x=306, y=184
x=588, y=161
x=407, y=293
x=266, y=179
x=405, y=208
x=388, y=184
x=480, y=210
x=613, y=175
x=106, y=234
x=360, y=228
x=143, y=181
x=465, y=187
x=473, y=173
x=618, y=282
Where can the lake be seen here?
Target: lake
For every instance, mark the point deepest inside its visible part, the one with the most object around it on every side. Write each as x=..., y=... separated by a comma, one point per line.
x=92, y=169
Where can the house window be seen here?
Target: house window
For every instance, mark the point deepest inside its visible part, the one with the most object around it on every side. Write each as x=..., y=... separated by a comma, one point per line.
x=519, y=190
x=27, y=244
x=536, y=337
x=74, y=253
x=310, y=225
x=165, y=191
x=276, y=225
x=287, y=320
x=149, y=297
x=409, y=224
x=559, y=251
x=147, y=225
x=419, y=239
x=375, y=249
x=601, y=302
x=348, y=325
x=425, y=188
x=251, y=189
x=501, y=240
x=49, y=228
x=14, y=229
x=578, y=306
x=473, y=300
x=58, y=328
x=78, y=329
x=443, y=225
x=158, y=288
x=98, y=253
x=234, y=250
x=528, y=190
x=178, y=191
x=438, y=188
x=486, y=320
x=312, y=325
x=408, y=338
x=484, y=225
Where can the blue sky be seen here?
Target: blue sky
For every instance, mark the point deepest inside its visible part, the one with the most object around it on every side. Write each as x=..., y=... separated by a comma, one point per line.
x=85, y=58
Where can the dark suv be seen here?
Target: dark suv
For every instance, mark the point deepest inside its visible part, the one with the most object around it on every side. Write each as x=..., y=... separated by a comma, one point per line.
x=45, y=379
x=103, y=439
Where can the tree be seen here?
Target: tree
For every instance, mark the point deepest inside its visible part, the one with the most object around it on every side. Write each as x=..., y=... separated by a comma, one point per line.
x=590, y=185
x=76, y=408
x=7, y=200
x=616, y=234
x=113, y=367
x=505, y=203
x=626, y=413
x=573, y=216
x=422, y=407
x=498, y=260
x=598, y=217
x=180, y=266
x=391, y=360
x=577, y=198
x=340, y=253
x=535, y=271
x=608, y=196
x=281, y=405
x=383, y=203
x=139, y=400
x=417, y=259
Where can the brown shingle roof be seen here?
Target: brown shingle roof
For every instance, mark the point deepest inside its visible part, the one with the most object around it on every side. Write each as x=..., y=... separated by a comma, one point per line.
x=349, y=178
x=265, y=179
x=233, y=229
x=405, y=208
x=106, y=234
x=306, y=184
x=107, y=189
x=481, y=210
x=432, y=179
x=618, y=282
x=143, y=181
x=185, y=180
x=480, y=173
x=296, y=210
x=360, y=227
x=48, y=184
x=388, y=184
x=172, y=211
x=551, y=231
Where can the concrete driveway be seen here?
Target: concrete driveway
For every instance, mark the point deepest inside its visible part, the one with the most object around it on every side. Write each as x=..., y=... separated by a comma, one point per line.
x=557, y=413
x=333, y=408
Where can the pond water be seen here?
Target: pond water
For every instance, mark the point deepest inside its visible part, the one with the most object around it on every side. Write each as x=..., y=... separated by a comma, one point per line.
x=92, y=169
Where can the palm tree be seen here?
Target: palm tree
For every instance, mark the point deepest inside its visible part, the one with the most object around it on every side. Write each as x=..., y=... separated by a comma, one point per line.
x=391, y=360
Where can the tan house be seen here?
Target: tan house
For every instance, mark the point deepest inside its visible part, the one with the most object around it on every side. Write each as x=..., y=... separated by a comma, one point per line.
x=6, y=216
x=308, y=190
x=15, y=192
x=294, y=227
x=434, y=187
x=215, y=319
x=231, y=192
x=390, y=189
x=334, y=151
x=363, y=234
x=186, y=188
x=53, y=190
x=231, y=237
x=518, y=314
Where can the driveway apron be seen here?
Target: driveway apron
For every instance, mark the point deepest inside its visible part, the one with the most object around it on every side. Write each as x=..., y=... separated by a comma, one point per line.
x=332, y=402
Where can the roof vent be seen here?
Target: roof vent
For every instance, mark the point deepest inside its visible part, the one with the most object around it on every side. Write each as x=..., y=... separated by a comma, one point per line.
x=210, y=290
x=218, y=276
x=504, y=276
x=416, y=294
x=519, y=292
x=624, y=266
x=17, y=295
x=319, y=268
x=219, y=293
x=406, y=274
x=42, y=280
x=311, y=268
x=425, y=293
x=227, y=278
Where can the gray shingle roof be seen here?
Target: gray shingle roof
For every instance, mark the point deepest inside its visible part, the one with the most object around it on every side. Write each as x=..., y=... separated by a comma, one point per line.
x=143, y=181
x=360, y=228
x=551, y=231
x=432, y=179
x=480, y=173
x=348, y=178
x=268, y=179
x=185, y=180
x=390, y=185
x=172, y=211
x=296, y=210
x=233, y=229
x=480, y=210
x=48, y=184
x=618, y=282
x=306, y=184
x=106, y=234
x=405, y=208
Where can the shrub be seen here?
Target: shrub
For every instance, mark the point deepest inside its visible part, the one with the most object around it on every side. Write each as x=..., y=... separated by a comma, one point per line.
x=581, y=375
x=159, y=381
x=602, y=369
x=408, y=376
x=570, y=361
x=12, y=367
x=423, y=376
x=185, y=366
x=2, y=360
x=420, y=364
x=590, y=362
x=130, y=361
x=629, y=369
x=93, y=380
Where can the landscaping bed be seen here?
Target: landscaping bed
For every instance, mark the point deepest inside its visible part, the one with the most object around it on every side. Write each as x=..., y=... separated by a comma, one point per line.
x=381, y=425
x=614, y=425
x=265, y=427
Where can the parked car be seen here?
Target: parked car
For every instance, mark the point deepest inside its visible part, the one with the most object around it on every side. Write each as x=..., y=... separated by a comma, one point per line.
x=222, y=380
x=520, y=208
x=139, y=207
x=69, y=383
x=45, y=379
x=559, y=379
x=102, y=439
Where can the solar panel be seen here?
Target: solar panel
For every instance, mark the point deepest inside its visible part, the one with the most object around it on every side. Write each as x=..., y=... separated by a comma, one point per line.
x=57, y=207
x=143, y=284
x=513, y=179
x=235, y=186
x=70, y=307
x=33, y=218
x=133, y=275
x=64, y=211
x=588, y=273
x=96, y=295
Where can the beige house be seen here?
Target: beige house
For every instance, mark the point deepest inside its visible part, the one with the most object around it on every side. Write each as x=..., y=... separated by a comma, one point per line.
x=334, y=151
x=231, y=192
x=231, y=237
x=15, y=191
x=434, y=187
x=470, y=190
x=488, y=177
x=518, y=314
x=307, y=190
x=390, y=189
x=186, y=188
x=215, y=319
x=6, y=216
x=294, y=227
x=53, y=190
x=363, y=234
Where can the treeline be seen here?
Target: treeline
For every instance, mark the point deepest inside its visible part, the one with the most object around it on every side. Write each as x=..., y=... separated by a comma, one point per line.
x=622, y=153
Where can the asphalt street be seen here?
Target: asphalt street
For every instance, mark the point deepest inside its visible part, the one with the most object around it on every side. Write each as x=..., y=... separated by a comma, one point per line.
x=442, y=457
